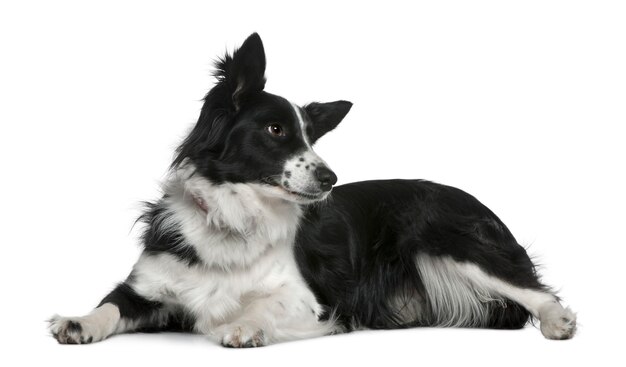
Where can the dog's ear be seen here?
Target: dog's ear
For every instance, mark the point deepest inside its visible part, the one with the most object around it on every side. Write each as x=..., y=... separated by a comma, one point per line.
x=243, y=73
x=326, y=116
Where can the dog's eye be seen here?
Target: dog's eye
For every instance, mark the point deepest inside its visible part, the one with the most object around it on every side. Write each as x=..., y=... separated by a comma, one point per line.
x=275, y=129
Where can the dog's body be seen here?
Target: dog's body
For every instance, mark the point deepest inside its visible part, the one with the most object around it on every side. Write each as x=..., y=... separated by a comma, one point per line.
x=247, y=246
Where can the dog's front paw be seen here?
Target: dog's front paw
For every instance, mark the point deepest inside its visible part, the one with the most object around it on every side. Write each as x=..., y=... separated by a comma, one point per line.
x=240, y=336
x=70, y=330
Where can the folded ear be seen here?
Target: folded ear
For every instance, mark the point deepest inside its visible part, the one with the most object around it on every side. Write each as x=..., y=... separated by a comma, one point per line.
x=243, y=73
x=326, y=116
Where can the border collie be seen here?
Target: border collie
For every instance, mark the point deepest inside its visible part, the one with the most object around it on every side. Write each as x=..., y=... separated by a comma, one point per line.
x=247, y=245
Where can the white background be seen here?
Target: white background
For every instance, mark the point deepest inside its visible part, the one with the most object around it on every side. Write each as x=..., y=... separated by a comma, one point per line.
x=521, y=104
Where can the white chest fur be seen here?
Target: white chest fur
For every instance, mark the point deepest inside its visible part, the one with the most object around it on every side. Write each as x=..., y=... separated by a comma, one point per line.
x=245, y=243
x=239, y=225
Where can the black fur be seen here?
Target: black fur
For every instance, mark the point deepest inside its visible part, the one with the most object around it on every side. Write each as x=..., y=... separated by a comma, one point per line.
x=229, y=142
x=150, y=316
x=132, y=306
x=74, y=327
x=158, y=238
x=358, y=250
x=329, y=116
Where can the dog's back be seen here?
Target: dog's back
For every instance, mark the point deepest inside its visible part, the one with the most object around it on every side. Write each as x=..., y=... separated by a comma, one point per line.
x=391, y=253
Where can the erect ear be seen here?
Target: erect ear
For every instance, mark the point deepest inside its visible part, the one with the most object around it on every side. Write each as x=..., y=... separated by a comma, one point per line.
x=243, y=73
x=326, y=116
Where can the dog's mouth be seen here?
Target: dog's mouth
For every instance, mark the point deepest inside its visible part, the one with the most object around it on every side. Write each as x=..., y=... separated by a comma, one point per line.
x=299, y=195
x=306, y=195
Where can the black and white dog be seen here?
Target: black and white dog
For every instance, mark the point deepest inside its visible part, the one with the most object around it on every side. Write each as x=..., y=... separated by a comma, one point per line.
x=248, y=246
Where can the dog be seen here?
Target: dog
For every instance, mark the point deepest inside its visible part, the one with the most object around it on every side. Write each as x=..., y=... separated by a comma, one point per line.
x=248, y=246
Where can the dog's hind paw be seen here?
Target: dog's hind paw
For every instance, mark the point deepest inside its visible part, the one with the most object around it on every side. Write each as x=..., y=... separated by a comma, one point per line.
x=558, y=324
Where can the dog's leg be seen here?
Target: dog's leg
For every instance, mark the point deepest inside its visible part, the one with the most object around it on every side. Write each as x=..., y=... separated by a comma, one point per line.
x=463, y=288
x=123, y=310
x=556, y=322
x=289, y=313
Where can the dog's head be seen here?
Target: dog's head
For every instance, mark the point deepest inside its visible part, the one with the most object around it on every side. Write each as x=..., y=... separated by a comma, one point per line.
x=246, y=135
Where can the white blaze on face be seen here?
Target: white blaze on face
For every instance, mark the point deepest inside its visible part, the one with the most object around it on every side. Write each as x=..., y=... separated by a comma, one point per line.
x=302, y=123
x=299, y=170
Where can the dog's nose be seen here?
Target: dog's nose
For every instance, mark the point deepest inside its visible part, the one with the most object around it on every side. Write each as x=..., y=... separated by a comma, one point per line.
x=326, y=177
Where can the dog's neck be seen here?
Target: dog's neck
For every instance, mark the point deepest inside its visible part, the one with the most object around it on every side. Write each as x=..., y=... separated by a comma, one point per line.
x=236, y=207
x=230, y=225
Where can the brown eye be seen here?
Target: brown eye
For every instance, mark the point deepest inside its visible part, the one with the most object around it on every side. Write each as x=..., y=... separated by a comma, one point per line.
x=275, y=129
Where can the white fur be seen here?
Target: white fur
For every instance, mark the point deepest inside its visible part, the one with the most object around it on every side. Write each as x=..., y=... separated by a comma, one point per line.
x=303, y=124
x=242, y=222
x=299, y=170
x=96, y=326
x=455, y=300
x=302, y=179
x=557, y=322
x=249, y=289
x=460, y=294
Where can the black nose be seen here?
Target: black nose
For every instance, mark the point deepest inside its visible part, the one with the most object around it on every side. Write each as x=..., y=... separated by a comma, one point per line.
x=326, y=177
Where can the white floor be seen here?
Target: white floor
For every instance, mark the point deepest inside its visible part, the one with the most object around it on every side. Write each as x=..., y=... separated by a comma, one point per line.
x=427, y=347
